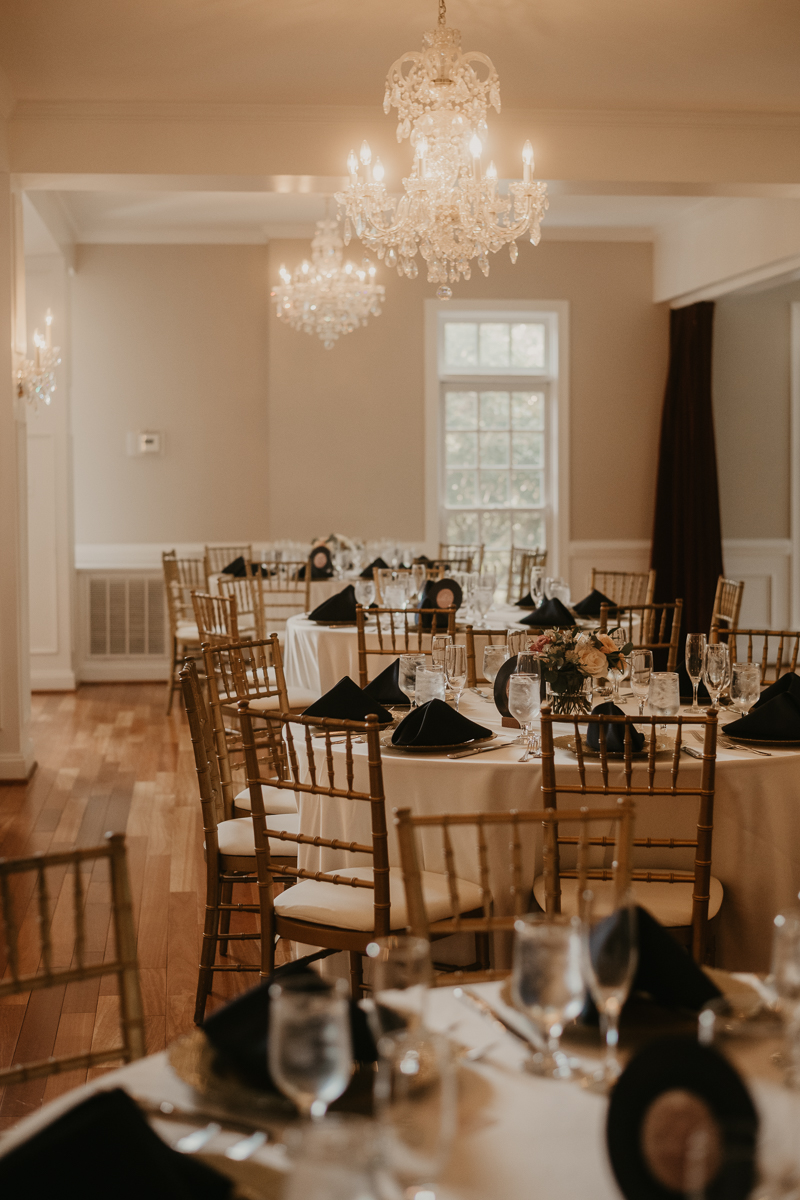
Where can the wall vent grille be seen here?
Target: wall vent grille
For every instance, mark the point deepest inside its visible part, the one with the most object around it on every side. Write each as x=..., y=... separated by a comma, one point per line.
x=126, y=616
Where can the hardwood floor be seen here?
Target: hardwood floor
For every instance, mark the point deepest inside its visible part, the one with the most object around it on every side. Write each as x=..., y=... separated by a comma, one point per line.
x=109, y=759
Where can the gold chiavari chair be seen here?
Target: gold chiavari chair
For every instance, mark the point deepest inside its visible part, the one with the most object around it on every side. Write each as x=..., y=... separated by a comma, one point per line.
x=727, y=603
x=24, y=953
x=216, y=617
x=216, y=558
x=487, y=637
x=283, y=591
x=228, y=846
x=249, y=613
x=685, y=901
x=179, y=577
x=775, y=650
x=625, y=587
x=438, y=568
x=398, y=632
x=448, y=551
x=501, y=902
x=519, y=571
x=655, y=627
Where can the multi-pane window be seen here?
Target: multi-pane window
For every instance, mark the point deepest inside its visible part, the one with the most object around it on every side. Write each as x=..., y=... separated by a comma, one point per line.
x=494, y=438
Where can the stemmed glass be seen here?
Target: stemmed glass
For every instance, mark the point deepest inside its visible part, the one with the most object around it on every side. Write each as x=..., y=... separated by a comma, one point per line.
x=310, y=1049
x=401, y=976
x=524, y=703
x=517, y=641
x=641, y=665
x=365, y=592
x=394, y=592
x=493, y=659
x=695, y=660
x=483, y=597
x=418, y=575
x=547, y=983
x=455, y=669
x=609, y=956
x=439, y=643
x=537, y=594
x=716, y=670
x=617, y=674
x=745, y=685
x=407, y=675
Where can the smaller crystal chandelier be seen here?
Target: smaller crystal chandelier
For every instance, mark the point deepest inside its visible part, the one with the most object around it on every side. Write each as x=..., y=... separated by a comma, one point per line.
x=451, y=211
x=36, y=378
x=326, y=296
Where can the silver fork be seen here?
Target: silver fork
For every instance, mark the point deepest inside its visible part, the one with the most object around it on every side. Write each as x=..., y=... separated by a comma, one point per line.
x=727, y=744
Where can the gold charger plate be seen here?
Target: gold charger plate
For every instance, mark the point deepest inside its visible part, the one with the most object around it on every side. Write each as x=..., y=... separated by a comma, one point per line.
x=566, y=741
x=389, y=745
x=333, y=624
x=776, y=743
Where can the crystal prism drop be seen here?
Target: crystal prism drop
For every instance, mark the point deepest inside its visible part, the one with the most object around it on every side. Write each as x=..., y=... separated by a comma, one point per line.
x=444, y=293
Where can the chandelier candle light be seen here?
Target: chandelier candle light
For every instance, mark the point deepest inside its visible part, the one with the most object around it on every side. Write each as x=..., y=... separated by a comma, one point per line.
x=36, y=379
x=326, y=296
x=452, y=211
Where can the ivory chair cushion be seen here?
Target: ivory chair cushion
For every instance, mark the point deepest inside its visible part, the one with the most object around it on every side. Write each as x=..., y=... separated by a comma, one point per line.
x=276, y=800
x=187, y=631
x=669, y=903
x=236, y=836
x=297, y=697
x=352, y=908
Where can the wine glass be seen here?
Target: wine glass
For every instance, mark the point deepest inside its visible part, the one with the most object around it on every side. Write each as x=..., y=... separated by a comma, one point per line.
x=609, y=956
x=547, y=983
x=716, y=670
x=493, y=659
x=439, y=643
x=430, y=684
x=365, y=592
x=536, y=585
x=524, y=704
x=517, y=640
x=310, y=1049
x=641, y=665
x=407, y=674
x=617, y=674
x=401, y=976
x=483, y=597
x=418, y=575
x=695, y=660
x=527, y=663
x=745, y=685
x=664, y=694
x=455, y=668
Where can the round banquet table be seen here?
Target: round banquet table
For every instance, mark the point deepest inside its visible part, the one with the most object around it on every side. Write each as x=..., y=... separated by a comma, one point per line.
x=756, y=844
x=517, y=1135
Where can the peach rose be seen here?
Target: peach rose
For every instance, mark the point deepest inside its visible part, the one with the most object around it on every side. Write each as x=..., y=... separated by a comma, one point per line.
x=593, y=661
x=608, y=645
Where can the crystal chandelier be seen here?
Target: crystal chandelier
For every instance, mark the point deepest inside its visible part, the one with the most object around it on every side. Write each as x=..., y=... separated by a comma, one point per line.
x=36, y=377
x=451, y=210
x=326, y=296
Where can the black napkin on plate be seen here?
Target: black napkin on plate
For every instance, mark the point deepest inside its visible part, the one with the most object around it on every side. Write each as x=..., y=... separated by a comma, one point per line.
x=436, y=724
x=615, y=734
x=525, y=602
x=237, y=568
x=687, y=690
x=341, y=607
x=552, y=614
x=665, y=972
x=347, y=702
x=377, y=563
x=589, y=606
x=787, y=683
x=423, y=558
x=240, y=1030
x=385, y=688
x=777, y=720
x=105, y=1147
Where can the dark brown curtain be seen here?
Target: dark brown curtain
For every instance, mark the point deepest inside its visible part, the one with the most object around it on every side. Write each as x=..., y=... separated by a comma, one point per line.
x=687, y=537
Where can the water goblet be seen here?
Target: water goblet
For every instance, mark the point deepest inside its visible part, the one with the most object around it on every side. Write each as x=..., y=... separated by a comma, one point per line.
x=418, y=575
x=664, y=694
x=695, y=660
x=407, y=674
x=784, y=983
x=365, y=592
x=536, y=585
x=394, y=593
x=430, y=684
x=716, y=670
x=493, y=659
x=439, y=643
x=483, y=598
x=609, y=956
x=401, y=976
x=517, y=640
x=524, y=703
x=310, y=1050
x=527, y=663
x=618, y=673
x=641, y=667
x=745, y=685
x=547, y=983
x=455, y=668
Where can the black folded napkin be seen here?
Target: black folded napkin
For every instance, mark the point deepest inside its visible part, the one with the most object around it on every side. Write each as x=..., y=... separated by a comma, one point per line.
x=341, y=607
x=615, y=734
x=239, y=1032
x=377, y=563
x=321, y=564
x=423, y=558
x=347, y=701
x=385, y=688
x=237, y=568
x=589, y=606
x=787, y=683
x=438, y=593
x=436, y=724
x=104, y=1147
x=776, y=720
x=551, y=614
x=687, y=690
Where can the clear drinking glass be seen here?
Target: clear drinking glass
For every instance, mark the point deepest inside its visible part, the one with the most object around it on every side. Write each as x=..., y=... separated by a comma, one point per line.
x=695, y=660
x=455, y=669
x=407, y=674
x=418, y=575
x=401, y=976
x=641, y=667
x=310, y=1050
x=716, y=670
x=517, y=641
x=617, y=674
x=430, y=684
x=493, y=659
x=784, y=981
x=536, y=585
x=547, y=983
x=439, y=643
x=745, y=685
x=483, y=597
x=664, y=694
x=524, y=703
x=394, y=593
x=527, y=663
x=609, y=946
x=365, y=592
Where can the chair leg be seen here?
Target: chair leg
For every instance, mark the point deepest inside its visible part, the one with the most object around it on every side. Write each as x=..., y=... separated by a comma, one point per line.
x=267, y=925
x=173, y=671
x=356, y=975
x=205, y=975
x=226, y=896
x=482, y=950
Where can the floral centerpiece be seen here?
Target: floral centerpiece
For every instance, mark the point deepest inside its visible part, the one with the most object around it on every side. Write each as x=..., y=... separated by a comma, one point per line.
x=567, y=658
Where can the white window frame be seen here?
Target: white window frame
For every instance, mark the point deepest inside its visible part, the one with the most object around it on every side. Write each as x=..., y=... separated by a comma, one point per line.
x=555, y=314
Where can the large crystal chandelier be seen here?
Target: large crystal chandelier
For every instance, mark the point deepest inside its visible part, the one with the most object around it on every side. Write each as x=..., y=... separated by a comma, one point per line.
x=36, y=377
x=326, y=296
x=452, y=210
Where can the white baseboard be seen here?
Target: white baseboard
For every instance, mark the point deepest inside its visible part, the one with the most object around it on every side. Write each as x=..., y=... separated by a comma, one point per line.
x=45, y=680
x=16, y=768
x=124, y=670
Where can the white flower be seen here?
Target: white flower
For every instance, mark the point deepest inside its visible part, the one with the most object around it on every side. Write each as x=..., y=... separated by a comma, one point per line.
x=593, y=662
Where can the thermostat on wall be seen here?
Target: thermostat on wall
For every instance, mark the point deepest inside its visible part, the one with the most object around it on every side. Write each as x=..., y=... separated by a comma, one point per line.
x=150, y=441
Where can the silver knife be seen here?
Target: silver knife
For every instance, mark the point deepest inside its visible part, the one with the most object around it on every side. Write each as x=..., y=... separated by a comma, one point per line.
x=481, y=750
x=468, y=997
x=692, y=753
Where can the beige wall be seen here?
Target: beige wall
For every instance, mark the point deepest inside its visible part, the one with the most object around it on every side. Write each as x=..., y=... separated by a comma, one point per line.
x=171, y=338
x=357, y=411
x=751, y=411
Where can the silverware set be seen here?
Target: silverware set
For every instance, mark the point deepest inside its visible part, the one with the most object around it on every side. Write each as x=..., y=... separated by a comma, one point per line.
x=727, y=744
x=198, y=1139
